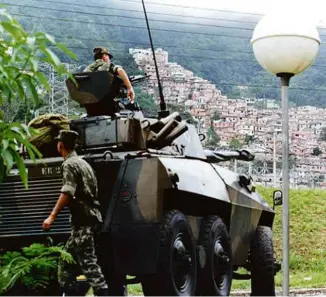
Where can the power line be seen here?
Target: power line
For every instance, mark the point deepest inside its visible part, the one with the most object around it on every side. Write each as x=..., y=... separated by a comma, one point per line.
x=165, y=45
x=151, y=12
x=195, y=57
x=166, y=78
x=170, y=54
x=115, y=15
x=171, y=5
x=141, y=11
x=322, y=66
x=136, y=27
x=57, y=19
x=143, y=28
x=200, y=8
x=153, y=29
x=119, y=16
x=187, y=56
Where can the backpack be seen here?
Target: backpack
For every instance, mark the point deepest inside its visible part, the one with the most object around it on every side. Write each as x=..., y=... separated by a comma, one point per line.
x=48, y=126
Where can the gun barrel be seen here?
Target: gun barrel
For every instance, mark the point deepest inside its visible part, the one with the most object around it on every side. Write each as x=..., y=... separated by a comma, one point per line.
x=138, y=78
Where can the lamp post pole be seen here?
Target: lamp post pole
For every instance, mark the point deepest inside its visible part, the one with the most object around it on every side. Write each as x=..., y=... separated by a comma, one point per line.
x=285, y=80
x=285, y=44
x=274, y=159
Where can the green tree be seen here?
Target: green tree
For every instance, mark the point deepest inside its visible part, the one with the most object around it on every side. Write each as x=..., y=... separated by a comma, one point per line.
x=322, y=135
x=185, y=115
x=216, y=116
x=249, y=139
x=235, y=143
x=213, y=139
x=145, y=101
x=316, y=151
x=21, y=79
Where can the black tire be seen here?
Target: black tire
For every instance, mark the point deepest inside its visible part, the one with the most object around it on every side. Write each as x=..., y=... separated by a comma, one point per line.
x=214, y=272
x=262, y=263
x=176, y=271
x=116, y=286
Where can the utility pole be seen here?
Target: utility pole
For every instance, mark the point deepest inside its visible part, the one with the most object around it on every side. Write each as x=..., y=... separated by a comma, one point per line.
x=250, y=169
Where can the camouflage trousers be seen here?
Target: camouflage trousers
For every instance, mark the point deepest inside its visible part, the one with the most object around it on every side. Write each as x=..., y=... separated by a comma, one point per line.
x=81, y=246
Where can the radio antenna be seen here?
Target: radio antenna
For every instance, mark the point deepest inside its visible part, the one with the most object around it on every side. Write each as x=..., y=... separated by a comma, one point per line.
x=163, y=111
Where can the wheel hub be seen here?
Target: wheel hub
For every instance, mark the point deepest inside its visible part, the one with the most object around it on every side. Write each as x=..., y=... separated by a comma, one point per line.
x=220, y=253
x=182, y=263
x=182, y=255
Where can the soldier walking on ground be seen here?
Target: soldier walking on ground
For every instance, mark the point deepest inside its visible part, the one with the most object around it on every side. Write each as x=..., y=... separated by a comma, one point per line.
x=102, y=58
x=79, y=192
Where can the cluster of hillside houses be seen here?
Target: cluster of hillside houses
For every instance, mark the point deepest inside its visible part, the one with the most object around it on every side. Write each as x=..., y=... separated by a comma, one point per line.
x=243, y=119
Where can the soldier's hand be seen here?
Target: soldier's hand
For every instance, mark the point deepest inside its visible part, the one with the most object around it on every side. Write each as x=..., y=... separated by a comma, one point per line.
x=47, y=223
x=131, y=94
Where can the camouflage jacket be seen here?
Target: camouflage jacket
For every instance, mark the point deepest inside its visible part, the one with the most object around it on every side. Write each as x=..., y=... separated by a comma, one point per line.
x=79, y=181
x=100, y=65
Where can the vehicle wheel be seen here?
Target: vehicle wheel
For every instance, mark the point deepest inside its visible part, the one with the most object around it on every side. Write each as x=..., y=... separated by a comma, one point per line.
x=177, y=264
x=116, y=286
x=262, y=263
x=215, y=270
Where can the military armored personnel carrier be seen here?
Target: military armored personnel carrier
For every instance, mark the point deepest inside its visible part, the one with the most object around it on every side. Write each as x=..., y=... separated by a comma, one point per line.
x=175, y=219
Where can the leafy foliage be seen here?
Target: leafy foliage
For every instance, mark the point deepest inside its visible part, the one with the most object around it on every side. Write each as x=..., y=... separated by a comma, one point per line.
x=249, y=139
x=21, y=79
x=235, y=144
x=212, y=137
x=145, y=101
x=316, y=151
x=33, y=268
x=185, y=115
x=322, y=136
x=10, y=136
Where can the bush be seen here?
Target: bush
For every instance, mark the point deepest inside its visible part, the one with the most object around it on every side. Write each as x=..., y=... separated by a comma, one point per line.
x=33, y=271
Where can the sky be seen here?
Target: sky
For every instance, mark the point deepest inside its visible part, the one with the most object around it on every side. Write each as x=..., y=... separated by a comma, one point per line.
x=313, y=9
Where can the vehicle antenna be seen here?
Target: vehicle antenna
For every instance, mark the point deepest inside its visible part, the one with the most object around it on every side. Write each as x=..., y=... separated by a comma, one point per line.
x=163, y=111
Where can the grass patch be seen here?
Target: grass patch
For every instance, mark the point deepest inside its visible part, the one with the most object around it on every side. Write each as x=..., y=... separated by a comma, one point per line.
x=307, y=237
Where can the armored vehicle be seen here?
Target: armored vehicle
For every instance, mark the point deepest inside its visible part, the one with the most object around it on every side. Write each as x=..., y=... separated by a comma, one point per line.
x=175, y=219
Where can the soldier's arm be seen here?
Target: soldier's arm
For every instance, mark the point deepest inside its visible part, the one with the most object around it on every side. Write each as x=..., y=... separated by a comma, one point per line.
x=61, y=203
x=126, y=81
x=67, y=193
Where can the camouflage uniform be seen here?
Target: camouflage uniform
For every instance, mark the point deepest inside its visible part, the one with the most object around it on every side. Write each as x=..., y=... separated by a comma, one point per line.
x=80, y=182
x=108, y=106
x=100, y=65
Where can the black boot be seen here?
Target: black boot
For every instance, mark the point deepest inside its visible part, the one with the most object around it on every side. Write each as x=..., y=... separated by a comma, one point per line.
x=69, y=292
x=102, y=292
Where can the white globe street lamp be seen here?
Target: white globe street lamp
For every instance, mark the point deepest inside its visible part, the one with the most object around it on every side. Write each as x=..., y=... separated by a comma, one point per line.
x=285, y=46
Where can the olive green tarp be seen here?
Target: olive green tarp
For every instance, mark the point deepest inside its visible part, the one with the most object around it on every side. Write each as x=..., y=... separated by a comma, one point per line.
x=48, y=126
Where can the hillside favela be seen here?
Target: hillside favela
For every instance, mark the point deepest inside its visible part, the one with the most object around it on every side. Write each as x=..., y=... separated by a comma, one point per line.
x=251, y=123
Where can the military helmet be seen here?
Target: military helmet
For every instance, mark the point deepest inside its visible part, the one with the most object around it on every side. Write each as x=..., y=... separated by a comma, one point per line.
x=99, y=51
x=68, y=138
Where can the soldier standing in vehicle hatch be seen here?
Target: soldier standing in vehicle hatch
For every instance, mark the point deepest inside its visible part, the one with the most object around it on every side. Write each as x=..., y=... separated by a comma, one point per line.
x=102, y=58
x=80, y=193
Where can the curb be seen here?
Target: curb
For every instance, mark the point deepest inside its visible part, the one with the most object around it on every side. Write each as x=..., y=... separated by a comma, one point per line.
x=293, y=292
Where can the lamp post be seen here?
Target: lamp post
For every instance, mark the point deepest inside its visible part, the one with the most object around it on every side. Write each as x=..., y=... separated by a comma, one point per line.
x=285, y=46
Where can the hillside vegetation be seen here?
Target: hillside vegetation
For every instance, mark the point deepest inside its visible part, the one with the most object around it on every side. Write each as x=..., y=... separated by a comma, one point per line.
x=213, y=44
